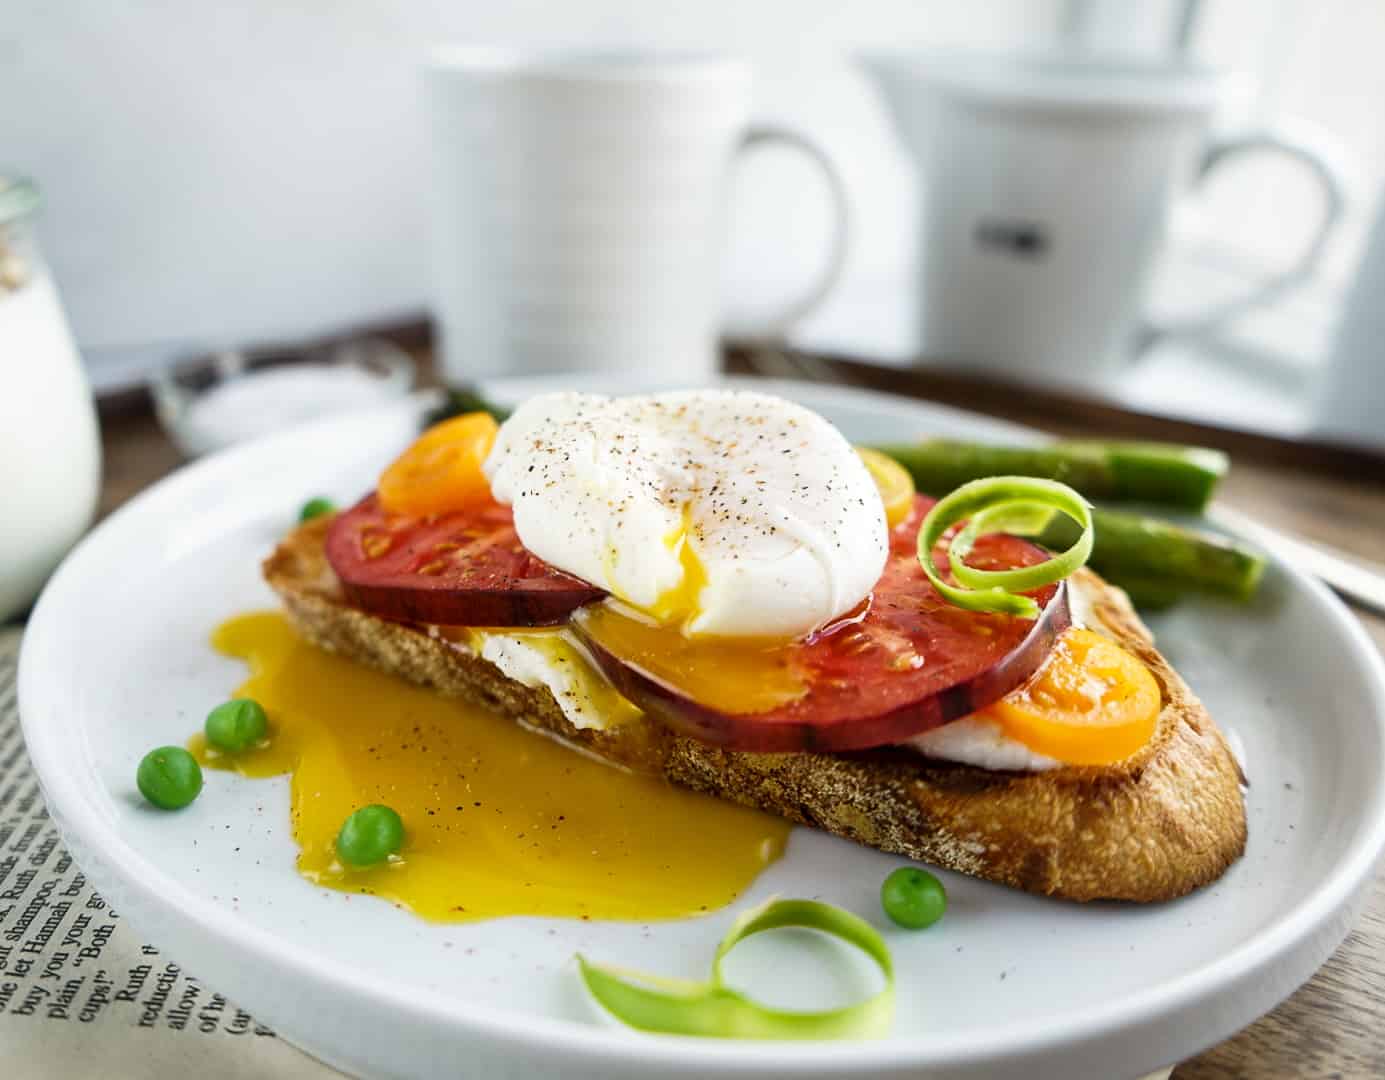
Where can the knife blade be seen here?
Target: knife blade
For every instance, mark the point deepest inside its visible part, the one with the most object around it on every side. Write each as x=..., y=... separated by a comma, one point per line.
x=1355, y=580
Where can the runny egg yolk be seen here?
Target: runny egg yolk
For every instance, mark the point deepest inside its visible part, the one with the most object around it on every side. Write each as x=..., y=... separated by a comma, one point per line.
x=1091, y=703
x=733, y=674
x=499, y=820
x=678, y=605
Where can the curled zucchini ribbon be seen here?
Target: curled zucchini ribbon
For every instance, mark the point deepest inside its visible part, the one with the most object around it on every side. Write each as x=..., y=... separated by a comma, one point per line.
x=1014, y=504
x=711, y=1008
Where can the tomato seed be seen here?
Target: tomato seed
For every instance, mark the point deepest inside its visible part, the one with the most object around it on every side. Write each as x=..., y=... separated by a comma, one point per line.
x=375, y=544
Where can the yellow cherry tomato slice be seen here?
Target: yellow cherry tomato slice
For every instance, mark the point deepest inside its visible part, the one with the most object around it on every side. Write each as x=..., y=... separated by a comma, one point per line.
x=441, y=471
x=1091, y=703
x=895, y=484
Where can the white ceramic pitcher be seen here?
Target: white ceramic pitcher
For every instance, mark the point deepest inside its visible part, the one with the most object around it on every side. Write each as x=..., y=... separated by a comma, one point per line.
x=1047, y=181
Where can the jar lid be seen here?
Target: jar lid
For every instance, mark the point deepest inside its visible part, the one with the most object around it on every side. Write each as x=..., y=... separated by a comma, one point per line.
x=19, y=198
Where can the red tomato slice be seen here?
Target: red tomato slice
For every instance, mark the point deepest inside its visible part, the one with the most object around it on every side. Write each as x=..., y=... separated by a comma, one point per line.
x=465, y=569
x=912, y=662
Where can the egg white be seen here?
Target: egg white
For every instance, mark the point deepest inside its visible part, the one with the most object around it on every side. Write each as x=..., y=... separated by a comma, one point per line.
x=553, y=660
x=975, y=740
x=724, y=512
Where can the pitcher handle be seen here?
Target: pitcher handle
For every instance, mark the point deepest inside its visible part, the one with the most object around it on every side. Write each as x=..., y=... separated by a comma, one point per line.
x=1315, y=152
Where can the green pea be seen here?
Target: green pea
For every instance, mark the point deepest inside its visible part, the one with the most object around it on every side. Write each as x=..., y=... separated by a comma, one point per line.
x=913, y=898
x=370, y=836
x=236, y=725
x=169, y=777
x=316, y=508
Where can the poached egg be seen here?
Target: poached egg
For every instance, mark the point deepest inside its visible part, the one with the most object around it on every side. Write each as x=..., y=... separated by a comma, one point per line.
x=724, y=524
x=724, y=513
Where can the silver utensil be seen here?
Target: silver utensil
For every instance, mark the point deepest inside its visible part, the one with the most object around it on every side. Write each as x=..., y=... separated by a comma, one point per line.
x=1357, y=581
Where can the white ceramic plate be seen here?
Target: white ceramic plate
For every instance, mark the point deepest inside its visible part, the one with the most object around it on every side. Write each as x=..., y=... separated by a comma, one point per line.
x=115, y=661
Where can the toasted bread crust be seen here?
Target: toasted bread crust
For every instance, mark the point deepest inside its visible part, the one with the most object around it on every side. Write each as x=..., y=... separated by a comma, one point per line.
x=1163, y=822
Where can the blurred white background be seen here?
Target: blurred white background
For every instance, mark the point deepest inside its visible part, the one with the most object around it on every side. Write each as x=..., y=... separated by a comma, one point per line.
x=217, y=173
x=222, y=173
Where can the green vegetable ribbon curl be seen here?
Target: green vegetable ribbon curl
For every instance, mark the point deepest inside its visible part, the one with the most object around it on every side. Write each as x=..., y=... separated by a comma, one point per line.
x=711, y=1008
x=1016, y=504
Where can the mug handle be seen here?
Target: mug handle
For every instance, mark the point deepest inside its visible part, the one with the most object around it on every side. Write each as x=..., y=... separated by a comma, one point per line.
x=1324, y=161
x=762, y=135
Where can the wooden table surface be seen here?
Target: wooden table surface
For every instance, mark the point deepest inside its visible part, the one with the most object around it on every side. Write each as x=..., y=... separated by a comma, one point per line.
x=1335, y=1025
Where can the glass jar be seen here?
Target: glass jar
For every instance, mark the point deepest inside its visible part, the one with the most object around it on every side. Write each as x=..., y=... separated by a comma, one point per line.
x=50, y=450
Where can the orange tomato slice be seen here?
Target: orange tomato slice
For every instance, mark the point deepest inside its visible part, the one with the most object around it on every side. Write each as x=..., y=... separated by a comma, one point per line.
x=1091, y=703
x=441, y=471
x=895, y=484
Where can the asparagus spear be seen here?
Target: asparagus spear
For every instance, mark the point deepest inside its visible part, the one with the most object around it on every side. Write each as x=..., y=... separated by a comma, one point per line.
x=1155, y=559
x=1181, y=476
x=464, y=399
x=1148, y=595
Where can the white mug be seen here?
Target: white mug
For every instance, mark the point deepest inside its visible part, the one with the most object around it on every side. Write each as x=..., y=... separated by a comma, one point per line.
x=1048, y=180
x=579, y=209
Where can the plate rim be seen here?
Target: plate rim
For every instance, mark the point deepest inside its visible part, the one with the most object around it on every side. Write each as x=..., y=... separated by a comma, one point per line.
x=1308, y=934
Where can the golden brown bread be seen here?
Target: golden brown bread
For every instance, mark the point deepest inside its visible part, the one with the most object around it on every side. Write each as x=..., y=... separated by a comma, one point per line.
x=1161, y=823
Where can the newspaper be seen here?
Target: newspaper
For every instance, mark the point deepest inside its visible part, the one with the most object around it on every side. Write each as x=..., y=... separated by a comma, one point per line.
x=80, y=993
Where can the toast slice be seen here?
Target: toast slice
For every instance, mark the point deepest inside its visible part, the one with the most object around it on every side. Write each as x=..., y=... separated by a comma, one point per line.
x=1159, y=824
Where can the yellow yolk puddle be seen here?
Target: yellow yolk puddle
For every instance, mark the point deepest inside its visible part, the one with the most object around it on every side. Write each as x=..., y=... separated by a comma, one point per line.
x=499, y=820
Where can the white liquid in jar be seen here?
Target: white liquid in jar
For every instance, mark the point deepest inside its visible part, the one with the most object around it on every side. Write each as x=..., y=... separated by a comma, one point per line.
x=50, y=464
